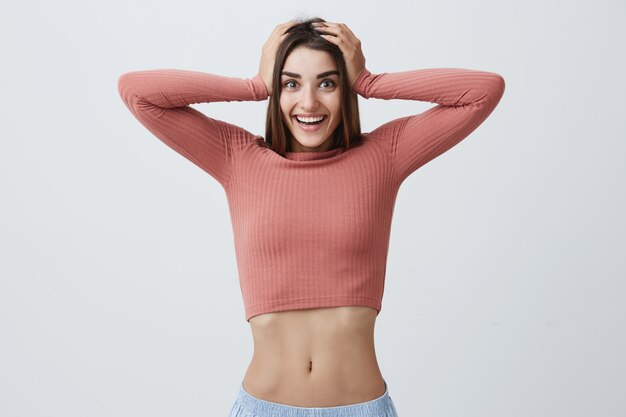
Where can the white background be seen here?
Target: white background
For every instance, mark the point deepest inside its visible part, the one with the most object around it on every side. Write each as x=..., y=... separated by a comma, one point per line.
x=505, y=290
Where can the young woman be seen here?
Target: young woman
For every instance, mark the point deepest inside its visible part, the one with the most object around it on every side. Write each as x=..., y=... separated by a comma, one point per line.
x=311, y=203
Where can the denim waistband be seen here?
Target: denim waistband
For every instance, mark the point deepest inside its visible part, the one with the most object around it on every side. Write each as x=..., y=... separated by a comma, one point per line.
x=257, y=406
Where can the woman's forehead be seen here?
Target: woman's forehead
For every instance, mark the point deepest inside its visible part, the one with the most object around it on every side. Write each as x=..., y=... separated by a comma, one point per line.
x=309, y=62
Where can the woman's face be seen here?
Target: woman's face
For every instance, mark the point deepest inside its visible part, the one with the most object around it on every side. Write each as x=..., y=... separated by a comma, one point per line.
x=310, y=87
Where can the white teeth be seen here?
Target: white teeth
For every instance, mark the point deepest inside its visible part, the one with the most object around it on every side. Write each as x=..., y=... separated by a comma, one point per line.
x=309, y=119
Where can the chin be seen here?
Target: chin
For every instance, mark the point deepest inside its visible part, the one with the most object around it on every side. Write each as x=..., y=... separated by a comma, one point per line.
x=310, y=143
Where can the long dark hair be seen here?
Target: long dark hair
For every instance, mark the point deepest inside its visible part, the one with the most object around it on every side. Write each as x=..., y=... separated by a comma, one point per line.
x=277, y=135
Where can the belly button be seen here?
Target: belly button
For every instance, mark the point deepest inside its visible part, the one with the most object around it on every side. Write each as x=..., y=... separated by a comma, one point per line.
x=310, y=366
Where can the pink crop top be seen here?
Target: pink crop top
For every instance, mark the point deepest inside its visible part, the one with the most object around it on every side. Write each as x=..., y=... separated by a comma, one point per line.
x=311, y=229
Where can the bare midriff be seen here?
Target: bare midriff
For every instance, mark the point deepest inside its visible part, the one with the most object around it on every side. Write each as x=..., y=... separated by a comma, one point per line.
x=321, y=357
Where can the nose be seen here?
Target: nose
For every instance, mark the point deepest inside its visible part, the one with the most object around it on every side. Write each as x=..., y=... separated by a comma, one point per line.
x=309, y=100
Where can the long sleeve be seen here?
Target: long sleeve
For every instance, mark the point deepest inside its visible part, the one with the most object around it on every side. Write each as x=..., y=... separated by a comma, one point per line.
x=160, y=100
x=465, y=98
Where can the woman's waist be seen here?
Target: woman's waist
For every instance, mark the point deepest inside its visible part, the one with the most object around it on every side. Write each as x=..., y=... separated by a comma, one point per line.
x=315, y=356
x=303, y=330
x=334, y=357
x=327, y=382
x=314, y=340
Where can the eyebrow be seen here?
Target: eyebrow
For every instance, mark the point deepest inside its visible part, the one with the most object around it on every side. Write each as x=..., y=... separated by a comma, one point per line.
x=322, y=75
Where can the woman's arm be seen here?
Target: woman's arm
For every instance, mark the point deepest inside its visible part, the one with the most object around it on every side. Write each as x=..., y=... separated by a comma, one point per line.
x=160, y=100
x=465, y=99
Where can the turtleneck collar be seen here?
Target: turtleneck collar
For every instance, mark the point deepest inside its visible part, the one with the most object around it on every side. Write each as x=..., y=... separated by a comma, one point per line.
x=311, y=156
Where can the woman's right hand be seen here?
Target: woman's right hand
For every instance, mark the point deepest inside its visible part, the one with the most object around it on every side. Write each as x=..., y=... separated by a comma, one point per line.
x=268, y=55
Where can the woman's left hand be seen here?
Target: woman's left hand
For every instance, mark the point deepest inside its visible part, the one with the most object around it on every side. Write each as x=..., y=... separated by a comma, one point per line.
x=350, y=45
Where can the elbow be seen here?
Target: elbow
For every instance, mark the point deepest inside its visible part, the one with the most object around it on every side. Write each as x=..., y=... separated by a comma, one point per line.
x=496, y=87
x=485, y=92
x=122, y=86
x=493, y=86
x=126, y=87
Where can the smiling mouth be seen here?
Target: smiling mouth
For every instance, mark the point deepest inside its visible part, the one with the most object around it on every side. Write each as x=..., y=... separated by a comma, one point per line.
x=310, y=123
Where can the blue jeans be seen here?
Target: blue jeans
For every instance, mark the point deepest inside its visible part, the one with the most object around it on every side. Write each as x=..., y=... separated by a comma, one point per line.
x=248, y=406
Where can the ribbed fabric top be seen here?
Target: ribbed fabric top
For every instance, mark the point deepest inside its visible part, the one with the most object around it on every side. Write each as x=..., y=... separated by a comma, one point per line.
x=311, y=229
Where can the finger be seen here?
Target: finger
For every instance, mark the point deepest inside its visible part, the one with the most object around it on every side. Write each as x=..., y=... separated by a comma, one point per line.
x=329, y=38
x=337, y=34
x=322, y=26
x=335, y=24
x=340, y=26
x=326, y=29
x=337, y=31
x=344, y=27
